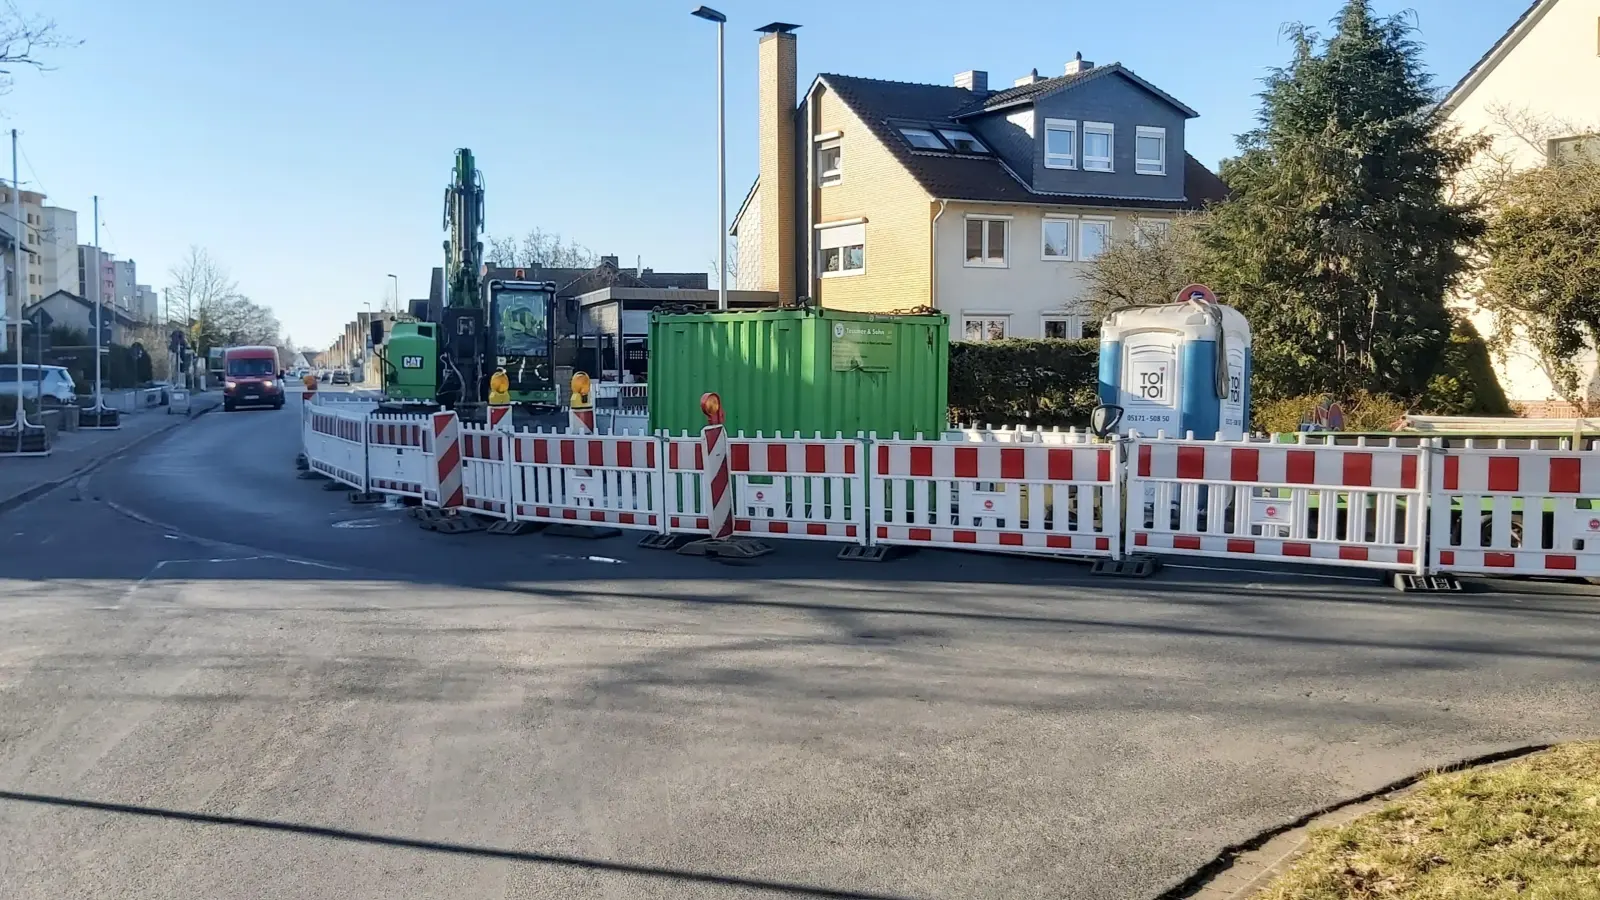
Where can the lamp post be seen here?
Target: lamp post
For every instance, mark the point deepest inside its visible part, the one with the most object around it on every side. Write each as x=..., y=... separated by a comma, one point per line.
x=711, y=15
x=395, y=280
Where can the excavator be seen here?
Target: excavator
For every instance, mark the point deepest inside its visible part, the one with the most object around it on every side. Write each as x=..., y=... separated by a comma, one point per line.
x=493, y=340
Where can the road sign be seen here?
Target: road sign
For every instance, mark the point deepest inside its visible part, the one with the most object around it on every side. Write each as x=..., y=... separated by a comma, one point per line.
x=1198, y=293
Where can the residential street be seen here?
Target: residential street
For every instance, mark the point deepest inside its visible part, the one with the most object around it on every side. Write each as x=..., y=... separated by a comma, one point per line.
x=626, y=723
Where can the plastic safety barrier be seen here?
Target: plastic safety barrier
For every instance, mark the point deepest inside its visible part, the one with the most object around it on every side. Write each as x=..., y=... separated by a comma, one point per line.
x=1497, y=511
x=590, y=479
x=399, y=448
x=805, y=488
x=1035, y=498
x=336, y=444
x=486, y=470
x=1358, y=506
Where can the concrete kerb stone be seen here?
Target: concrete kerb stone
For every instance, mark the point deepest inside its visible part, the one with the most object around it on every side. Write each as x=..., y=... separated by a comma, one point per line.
x=30, y=494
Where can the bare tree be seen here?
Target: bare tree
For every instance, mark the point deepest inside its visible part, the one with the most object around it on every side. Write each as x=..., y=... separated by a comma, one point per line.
x=1144, y=267
x=198, y=282
x=206, y=301
x=23, y=39
x=539, y=248
x=733, y=264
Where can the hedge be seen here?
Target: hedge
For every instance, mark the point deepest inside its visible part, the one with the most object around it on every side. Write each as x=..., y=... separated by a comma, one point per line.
x=1024, y=382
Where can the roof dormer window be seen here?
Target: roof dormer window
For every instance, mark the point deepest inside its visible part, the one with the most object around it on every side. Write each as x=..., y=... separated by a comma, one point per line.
x=923, y=139
x=963, y=141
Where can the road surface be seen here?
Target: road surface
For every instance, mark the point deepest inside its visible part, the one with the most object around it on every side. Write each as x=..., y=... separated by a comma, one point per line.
x=220, y=681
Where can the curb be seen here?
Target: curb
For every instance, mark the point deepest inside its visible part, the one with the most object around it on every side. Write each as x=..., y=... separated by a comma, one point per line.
x=39, y=490
x=1259, y=857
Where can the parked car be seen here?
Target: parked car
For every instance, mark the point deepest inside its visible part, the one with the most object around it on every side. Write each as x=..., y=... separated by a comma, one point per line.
x=340, y=376
x=53, y=382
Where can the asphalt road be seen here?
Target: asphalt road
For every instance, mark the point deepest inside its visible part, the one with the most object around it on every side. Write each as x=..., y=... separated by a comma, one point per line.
x=281, y=695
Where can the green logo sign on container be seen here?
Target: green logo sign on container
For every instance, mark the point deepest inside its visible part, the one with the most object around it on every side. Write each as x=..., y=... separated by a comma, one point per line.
x=862, y=345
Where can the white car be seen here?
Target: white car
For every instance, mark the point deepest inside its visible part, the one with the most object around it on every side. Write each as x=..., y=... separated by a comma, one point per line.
x=54, y=383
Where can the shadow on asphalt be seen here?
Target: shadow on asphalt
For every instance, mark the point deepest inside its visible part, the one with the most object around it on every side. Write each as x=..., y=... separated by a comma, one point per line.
x=520, y=856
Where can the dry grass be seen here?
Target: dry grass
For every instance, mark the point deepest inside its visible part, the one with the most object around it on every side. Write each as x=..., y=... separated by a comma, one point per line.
x=1528, y=830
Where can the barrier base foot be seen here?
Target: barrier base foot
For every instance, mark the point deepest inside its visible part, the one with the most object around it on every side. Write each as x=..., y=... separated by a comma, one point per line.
x=448, y=521
x=311, y=475
x=726, y=548
x=661, y=541
x=336, y=486
x=301, y=463
x=584, y=532
x=1426, y=584
x=858, y=553
x=365, y=498
x=512, y=528
x=1128, y=567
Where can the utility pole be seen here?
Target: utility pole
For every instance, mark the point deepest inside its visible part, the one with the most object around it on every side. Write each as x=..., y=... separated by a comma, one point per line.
x=21, y=237
x=99, y=311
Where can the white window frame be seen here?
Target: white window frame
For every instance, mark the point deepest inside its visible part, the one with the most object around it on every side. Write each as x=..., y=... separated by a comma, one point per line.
x=829, y=177
x=1073, y=321
x=945, y=135
x=1140, y=224
x=922, y=130
x=987, y=262
x=1071, y=222
x=1100, y=164
x=1139, y=162
x=986, y=317
x=1085, y=222
x=1057, y=160
x=822, y=251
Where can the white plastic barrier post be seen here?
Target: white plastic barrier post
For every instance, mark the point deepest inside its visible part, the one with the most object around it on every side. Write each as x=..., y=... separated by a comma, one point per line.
x=810, y=489
x=486, y=471
x=1516, y=512
x=1028, y=498
x=586, y=479
x=398, y=454
x=336, y=445
x=1362, y=506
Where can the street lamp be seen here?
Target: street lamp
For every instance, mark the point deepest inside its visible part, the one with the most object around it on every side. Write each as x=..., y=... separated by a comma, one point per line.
x=395, y=280
x=711, y=15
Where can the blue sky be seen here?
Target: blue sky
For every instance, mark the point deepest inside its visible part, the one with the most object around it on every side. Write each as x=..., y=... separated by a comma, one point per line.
x=306, y=143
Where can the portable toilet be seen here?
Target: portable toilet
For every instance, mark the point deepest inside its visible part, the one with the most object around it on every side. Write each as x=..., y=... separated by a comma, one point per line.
x=1178, y=368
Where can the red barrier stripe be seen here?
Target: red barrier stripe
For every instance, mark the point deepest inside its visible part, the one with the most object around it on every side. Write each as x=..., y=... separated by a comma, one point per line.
x=1058, y=542
x=921, y=461
x=1500, y=560
x=1141, y=539
x=650, y=455
x=1102, y=471
x=966, y=462
x=1013, y=465
x=739, y=457
x=1452, y=473
x=1408, y=472
x=850, y=459
x=449, y=461
x=1300, y=467
x=625, y=454
x=1446, y=558
x=964, y=537
x=1562, y=563
x=1566, y=475
x=1504, y=473
x=1406, y=557
x=1359, y=554
x=1245, y=465
x=778, y=527
x=1010, y=539
x=1186, y=541
x=1058, y=465
x=1239, y=546
x=597, y=452
x=816, y=529
x=1102, y=543
x=1297, y=550
x=920, y=534
x=817, y=459
x=1357, y=470
x=1192, y=463
x=777, y=458
x=569, y=453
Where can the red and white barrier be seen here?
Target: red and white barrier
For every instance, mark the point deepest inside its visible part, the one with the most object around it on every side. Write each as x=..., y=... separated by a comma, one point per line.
x=399, y=453
x=1496, y=511
x=1337, y=505
x=442, y=487
x=1061, y=500
x=486, y=470
x=586, y=479
x=335, y=444
x=810, y=489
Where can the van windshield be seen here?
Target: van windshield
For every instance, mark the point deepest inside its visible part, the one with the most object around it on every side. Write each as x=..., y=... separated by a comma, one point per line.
x=250, y=368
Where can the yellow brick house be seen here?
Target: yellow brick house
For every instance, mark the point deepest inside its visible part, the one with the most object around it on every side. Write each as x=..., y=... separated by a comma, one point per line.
x=881, y=195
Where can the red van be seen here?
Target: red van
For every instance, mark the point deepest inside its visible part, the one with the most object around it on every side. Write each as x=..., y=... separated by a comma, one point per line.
x=251, y=378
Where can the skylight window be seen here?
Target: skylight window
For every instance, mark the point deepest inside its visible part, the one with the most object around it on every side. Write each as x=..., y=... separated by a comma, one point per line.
x=923, y=139
x=963, y=141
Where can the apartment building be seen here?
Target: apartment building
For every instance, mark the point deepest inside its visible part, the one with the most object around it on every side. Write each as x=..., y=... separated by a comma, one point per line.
x=879, y=195
x=49, y=234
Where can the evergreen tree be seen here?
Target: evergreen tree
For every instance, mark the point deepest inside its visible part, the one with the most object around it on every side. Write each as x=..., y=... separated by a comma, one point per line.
x=1338, y=243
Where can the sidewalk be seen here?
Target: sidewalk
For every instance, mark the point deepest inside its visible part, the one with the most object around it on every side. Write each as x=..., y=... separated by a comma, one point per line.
x=24, y=478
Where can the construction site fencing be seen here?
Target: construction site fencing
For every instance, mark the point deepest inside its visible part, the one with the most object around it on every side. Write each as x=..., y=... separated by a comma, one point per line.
x=399, y=453
x=611, y=480
x=336, y=445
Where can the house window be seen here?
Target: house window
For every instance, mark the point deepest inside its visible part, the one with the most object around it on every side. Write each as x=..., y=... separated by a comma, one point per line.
x=1099, y=139
x=1057, y=238
x=1150, y=151
x=986, y=241
x=1147, y=232
x=1575, y=149
x=963, y=141
x=987, y=327
x=842, y=250
x=830, y=164
x=1092, y=237
x=923, y=139
x=1064, y=328
x=1060, y=144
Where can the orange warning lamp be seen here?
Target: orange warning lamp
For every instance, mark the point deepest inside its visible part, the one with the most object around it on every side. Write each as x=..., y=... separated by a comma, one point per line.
x=499, y=388
x=580, y=391
x=711, y=405
x=309, y=380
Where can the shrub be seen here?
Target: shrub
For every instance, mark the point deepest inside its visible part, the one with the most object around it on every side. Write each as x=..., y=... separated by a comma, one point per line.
x=1024, y=382
x=1363, y=412
x=1465, y=383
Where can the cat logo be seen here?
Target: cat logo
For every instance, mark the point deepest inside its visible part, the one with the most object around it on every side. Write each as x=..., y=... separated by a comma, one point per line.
x=410, y=362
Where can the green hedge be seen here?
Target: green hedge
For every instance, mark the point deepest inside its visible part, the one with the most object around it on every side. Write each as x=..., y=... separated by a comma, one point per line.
x=1024, y=382
x=1465, y=384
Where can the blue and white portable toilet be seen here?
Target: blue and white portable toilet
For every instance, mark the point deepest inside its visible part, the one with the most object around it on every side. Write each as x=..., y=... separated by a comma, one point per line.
x=1178, y=368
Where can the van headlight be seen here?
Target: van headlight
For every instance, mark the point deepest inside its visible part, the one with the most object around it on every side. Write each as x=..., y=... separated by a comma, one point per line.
x=229, y=385
x=268, y=384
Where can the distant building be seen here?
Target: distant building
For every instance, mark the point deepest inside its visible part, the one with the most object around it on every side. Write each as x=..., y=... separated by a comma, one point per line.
x=72, y=311
x=125, y=291
x=147, y=306
x=50, y=236
x=97, y=274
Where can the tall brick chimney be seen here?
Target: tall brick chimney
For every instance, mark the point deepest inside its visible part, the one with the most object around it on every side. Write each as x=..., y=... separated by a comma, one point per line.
x=779, y=75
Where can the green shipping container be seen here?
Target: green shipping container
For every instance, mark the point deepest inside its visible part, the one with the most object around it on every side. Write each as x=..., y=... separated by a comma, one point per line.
x=801, y=370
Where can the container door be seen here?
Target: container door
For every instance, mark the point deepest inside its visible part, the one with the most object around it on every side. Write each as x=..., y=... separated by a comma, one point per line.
x=1150, y=386
x=1232, y=420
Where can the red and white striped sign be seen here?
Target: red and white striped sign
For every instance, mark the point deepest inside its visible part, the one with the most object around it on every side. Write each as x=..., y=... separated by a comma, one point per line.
x=444, y=475
x=500, y=417
x=719, y=482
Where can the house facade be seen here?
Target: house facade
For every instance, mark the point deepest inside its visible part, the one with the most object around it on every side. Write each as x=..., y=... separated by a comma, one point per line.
x=985, y=204
x=67, y=309
x=1534, y=94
